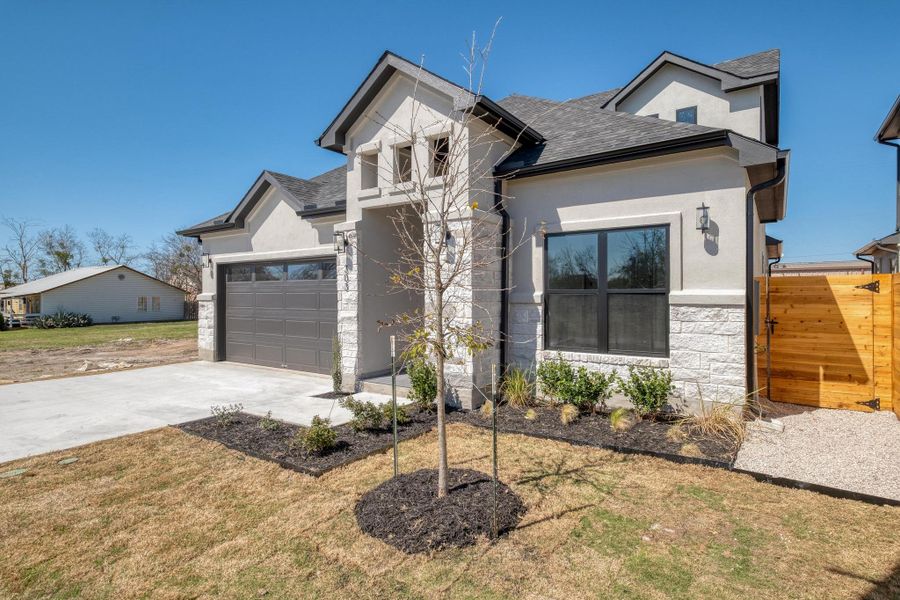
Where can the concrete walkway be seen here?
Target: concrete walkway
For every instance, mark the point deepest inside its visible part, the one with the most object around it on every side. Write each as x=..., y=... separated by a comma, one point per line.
x=43, y=416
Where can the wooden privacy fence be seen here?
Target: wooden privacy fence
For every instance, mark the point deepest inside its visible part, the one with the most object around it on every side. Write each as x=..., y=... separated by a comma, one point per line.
x=835, y=341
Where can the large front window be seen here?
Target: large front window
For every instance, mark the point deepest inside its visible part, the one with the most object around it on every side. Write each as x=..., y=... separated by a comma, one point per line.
x=607, y=291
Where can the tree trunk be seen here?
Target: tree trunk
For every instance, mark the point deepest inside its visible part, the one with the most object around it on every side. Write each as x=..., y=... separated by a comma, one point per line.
x=441, y=395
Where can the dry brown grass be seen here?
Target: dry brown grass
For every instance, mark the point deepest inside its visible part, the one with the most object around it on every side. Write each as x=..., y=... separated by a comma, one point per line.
x=164, y=514
x=721, y=421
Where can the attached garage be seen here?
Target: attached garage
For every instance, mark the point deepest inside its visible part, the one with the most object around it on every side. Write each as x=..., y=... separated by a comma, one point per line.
x=280, y=314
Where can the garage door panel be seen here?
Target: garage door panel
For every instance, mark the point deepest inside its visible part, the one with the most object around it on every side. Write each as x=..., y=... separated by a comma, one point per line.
x=269, y=299
x=301, y=301
x=288, y=323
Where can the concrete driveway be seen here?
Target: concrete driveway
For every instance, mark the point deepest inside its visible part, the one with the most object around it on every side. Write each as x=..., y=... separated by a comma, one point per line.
x=43, y=416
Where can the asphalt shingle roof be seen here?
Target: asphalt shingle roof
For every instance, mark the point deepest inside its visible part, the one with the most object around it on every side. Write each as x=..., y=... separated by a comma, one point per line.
x=761, y=63
x=575, y=129
x=54, y=281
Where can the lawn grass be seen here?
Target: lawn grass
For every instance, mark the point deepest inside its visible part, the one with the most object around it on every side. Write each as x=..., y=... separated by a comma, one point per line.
x=166, y=514
x=31, y=338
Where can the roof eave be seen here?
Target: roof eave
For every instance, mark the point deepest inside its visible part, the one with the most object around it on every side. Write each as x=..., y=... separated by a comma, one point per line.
x=322, y=212
x=196, y=232
x=890, y=127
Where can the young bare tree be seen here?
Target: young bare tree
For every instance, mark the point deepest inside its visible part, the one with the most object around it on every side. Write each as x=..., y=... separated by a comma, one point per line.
x=448, y=234
x=110, y=249
x=61, y=250
x=177, y=260
x=21, y=251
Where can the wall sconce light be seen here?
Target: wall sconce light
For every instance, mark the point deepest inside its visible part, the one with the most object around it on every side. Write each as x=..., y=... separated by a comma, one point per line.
x=340, y=241
x=541, y=229
x=206, y=260
x=703, y=218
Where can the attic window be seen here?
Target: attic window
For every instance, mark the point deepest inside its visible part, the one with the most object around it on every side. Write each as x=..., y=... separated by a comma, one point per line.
x=686, y=115
x=403, y=163
x=440, y=156
x=369, y=170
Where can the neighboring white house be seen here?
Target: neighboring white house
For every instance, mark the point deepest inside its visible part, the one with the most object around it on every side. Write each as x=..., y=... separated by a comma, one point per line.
x=109, y=294
x=884, y=253
x=604, y=176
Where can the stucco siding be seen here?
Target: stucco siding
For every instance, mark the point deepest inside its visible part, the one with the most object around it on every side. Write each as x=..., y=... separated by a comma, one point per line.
x=674, y=87
x=106, y=298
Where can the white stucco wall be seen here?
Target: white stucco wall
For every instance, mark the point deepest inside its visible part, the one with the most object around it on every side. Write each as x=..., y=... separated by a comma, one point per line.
x=674, y=87
x=105, y=296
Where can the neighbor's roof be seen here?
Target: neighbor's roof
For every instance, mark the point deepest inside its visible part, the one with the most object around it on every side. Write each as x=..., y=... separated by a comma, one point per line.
x=890, y=129
x=889, y=240
x=323, y=194
x=39, y=286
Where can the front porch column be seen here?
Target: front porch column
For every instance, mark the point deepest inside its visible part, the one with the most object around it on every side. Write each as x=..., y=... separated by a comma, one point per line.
x=348, y=312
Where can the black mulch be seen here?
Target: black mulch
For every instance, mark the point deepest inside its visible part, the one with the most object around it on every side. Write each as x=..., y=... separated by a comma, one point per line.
x=406, y=513
x=645, y=437
x=245, y=435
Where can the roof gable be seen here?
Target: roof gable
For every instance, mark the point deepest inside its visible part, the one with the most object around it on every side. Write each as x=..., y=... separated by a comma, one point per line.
x=890, y=128
x=58, y=280
x=334, y=136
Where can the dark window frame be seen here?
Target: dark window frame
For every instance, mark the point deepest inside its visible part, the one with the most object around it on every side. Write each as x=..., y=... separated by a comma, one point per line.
x=602, y=292
x=439, y=155
x=684, y=108
x=284, y=272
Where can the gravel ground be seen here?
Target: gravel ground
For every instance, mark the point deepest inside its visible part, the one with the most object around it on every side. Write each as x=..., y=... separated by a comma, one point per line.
x=844, y=449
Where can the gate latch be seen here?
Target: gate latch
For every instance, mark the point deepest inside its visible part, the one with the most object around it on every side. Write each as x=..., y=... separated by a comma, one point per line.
x=874, y=403
x=874, y=286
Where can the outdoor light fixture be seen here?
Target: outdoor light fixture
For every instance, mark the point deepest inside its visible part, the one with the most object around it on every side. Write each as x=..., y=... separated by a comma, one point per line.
x=541, y=229
x=703, y=218
x=206, y=260
x=340, y=241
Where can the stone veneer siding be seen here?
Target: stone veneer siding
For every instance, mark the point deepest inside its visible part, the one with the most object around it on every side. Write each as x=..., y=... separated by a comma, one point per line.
x=348, y=309
x=706, y=351
x=206, y=326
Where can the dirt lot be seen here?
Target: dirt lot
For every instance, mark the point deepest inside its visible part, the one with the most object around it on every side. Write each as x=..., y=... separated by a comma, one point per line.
x=32, y=355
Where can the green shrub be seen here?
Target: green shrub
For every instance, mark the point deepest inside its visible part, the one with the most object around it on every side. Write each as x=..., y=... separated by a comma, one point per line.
x=337, y=376
x=588, y=388
x=368, y=416
x=61, y=320
x=648, y=389
x=267, y=423
x=517, y=388
x=554, y=375
x=226, y=414
x=423, y=383
x=317, y=438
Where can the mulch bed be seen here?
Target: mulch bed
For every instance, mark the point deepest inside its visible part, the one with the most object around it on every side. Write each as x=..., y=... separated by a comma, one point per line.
x=406, y=513
x=245, y=435
x=647, y=436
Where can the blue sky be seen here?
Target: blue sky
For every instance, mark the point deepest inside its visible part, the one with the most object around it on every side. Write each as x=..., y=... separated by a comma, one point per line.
x=141, y=117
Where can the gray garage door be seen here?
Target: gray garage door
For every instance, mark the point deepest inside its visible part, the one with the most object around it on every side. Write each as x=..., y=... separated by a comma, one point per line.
x=281, y=314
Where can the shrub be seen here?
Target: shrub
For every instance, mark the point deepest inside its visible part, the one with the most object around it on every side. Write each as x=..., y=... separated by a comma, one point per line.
x=517, y=387
x=648, y=389
x=554, y=374
x=530, y=414
x=368, y=416
x=226, y=414
x=722, y=422
x=2, y=322
x=568, y=414
x=587, y=388
x=337, y=376
x=621, y=419
x=61, y=320
x=317, y=438
x=267, y=423
x=423, y=383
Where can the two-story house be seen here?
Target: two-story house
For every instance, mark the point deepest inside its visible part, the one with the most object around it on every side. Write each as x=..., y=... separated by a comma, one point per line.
x=640, y=214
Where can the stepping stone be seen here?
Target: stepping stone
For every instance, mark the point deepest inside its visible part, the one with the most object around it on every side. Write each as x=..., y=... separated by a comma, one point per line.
x=68, y=461
x=12, y=473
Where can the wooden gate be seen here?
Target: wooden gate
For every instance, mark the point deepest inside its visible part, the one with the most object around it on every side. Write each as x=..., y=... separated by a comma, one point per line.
x=832, y=342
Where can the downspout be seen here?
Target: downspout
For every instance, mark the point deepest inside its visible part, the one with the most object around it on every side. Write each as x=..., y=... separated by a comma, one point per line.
x=504, y=269
x=868, y=260
x=770, y=328
x=749, y=300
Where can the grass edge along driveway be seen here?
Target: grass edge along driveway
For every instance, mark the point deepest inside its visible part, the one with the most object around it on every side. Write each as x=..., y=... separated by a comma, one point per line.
x=167, y=514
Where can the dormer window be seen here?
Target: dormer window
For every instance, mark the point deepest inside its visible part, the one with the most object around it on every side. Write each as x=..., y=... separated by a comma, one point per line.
x=440, y=155
x=403, y=163
x=368, y=170
x=686, y=115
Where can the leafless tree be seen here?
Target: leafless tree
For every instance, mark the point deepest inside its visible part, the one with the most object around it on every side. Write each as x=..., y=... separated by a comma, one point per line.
x=110, y=249
x=177, y=260
x=21, y=251
x=448, y=235
x=60, y=250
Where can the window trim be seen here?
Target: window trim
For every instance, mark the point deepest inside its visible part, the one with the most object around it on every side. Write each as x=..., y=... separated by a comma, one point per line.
x=363, y=164
x=155, y=304
x=696, y=114
x=142, y=304
x=602, y=291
